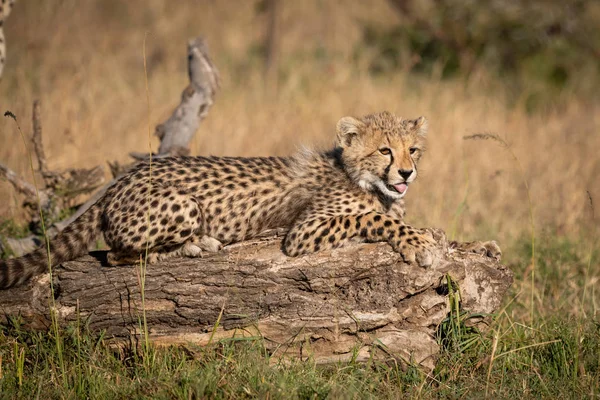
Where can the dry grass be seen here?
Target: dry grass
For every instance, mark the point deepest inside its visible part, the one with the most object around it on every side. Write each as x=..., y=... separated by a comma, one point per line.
x=84, y=60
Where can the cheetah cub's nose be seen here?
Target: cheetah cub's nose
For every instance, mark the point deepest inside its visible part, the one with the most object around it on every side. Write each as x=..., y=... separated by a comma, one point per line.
x=405, y=173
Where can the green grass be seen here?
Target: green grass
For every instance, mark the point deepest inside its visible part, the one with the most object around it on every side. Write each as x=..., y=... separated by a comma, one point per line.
x=557, y=354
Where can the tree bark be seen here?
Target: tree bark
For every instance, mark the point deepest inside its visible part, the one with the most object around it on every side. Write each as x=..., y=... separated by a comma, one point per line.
x=355, y=302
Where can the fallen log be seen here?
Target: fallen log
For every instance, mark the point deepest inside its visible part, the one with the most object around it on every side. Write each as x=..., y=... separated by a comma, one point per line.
x=356, y=302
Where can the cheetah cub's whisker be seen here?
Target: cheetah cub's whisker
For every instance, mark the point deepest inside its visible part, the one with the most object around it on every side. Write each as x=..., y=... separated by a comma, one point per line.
x=186, y=205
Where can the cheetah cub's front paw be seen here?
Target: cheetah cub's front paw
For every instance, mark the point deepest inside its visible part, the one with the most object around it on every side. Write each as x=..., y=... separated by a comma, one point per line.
x=487, y=249
x=416, y=246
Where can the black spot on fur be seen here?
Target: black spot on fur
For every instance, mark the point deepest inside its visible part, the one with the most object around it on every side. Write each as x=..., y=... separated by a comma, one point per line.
x=185, y=232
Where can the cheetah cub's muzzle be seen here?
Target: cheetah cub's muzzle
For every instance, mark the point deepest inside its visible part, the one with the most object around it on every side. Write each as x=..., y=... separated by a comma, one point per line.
x=399, y=188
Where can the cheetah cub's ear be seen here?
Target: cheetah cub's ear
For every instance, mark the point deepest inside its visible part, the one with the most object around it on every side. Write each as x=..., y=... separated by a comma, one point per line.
x=347, y=129
x=421, y=126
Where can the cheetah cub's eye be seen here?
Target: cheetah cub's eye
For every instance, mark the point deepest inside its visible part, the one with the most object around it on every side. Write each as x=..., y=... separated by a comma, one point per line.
x=385, y=151
x=413, y=150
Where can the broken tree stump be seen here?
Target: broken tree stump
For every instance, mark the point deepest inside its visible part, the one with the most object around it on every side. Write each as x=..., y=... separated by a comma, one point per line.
x=197, y=98
x=355, y=302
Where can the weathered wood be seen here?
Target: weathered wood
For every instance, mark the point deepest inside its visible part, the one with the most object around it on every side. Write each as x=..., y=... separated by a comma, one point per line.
x=57, y=193
x=59, y=186
x=176, y=133
x=354, y=302
x=38, y=145
x=21, y=185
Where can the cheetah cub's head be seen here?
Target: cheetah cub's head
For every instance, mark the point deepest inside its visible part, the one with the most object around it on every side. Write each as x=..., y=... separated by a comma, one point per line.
x=380, y=151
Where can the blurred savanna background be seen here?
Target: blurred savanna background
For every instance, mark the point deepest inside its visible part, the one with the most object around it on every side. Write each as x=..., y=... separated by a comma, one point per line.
x=525, y=73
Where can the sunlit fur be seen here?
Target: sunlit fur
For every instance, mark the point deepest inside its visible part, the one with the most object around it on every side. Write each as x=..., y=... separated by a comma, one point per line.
x=181, y=206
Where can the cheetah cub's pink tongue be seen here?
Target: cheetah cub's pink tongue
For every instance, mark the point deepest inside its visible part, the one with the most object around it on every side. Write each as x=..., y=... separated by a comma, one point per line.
x=401, y=188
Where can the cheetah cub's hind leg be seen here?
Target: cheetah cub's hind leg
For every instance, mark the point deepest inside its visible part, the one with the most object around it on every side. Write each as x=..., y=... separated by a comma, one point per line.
x=487, y=249
x=164, y=221
x=192, y=248
x=208, y=243
x=188, y=249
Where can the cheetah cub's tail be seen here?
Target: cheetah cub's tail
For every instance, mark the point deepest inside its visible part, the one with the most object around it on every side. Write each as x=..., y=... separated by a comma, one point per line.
x=69, y=244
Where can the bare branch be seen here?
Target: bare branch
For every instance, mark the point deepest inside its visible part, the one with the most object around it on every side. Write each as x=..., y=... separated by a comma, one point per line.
x=197, y=98
x=21, y=185
x=38, y=146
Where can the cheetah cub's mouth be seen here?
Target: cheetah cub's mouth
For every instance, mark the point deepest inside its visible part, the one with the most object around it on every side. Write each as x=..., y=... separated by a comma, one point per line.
x=400, y=188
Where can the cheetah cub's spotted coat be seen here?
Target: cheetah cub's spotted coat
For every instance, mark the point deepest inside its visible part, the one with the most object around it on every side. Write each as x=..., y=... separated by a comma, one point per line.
x=180, y=206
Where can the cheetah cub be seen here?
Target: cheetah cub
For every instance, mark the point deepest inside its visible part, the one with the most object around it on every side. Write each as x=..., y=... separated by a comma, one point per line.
x=180, y=206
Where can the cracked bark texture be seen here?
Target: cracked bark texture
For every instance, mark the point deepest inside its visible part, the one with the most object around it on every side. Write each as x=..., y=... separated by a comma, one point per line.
x=355, y=302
